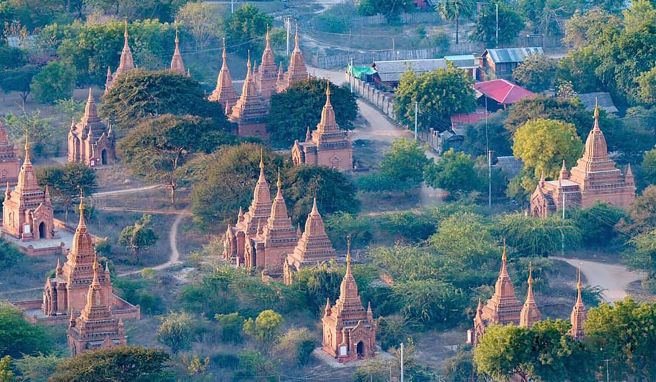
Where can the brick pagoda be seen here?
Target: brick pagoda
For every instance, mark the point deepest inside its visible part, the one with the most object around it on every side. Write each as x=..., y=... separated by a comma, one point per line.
x=177, y=65
x=579, y=315
x=530, y=313
x=328, y=145
x=90, y=141
x=267, y=74
x=96, y=327
x=251, y=110
x=296, y=71
x=126, y=63
x=224, y=93
x=594, y=179
x=9, y=163
x=349, y=332
x=27, y=211
x=67, y=290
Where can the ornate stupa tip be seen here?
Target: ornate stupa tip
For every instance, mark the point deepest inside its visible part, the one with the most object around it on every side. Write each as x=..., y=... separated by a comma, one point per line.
x=315, y=210
x=348, y=254
x=279, y=182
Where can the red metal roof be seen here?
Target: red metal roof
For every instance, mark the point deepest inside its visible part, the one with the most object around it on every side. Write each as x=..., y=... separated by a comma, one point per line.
x=503, y=91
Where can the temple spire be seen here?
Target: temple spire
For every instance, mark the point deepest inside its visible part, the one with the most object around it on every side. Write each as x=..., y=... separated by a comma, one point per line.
x=579, y=314
x=177, y=65
x=530, y=313
x=348, y=255
x=596, y=115
x=126, y=62
x=82, y=225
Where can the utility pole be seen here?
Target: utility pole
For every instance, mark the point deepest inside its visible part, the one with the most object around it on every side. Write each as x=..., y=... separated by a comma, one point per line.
x=416, y=114
x=351, y=75
x=232, y=6
x=562, y=233
x=288, y=25
x=489, y=162
x=497, y=28
x=607, y=370
x=402, y=362
x=393, y=49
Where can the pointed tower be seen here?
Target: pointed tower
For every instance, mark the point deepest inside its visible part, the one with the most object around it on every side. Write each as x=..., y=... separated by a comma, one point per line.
x=108, y=80
x=503, y=307
x=579, y=314
x=96, y=327
x=297, y=71
x=479, y=325
x=250, y=111
x=89, y=140
x=267, y=75
x=530, y=313
x=224, y=93
x=126, y=63
x=9, y=163
x=27, y=212
x=279, y=233
x=314, y=246
x=177, y=65
x=328, y=145
x=349, y=332
x=594, y=179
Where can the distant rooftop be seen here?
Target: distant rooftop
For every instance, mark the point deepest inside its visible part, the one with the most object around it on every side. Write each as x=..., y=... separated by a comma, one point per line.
x=604, y=100
x=502, y=91
x=391, y=71
x=508, y=55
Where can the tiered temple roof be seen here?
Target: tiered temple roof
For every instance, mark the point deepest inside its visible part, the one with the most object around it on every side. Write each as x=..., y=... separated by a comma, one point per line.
x=27, y=212
x=594, y=179
x=251, y=109
x=349, y=332
x=530, y=313
x=96, y=327
x=126, y=62
x=224, y=93
x=579, y=314
x=297, y=70
x=279, y=229
x=267, y=75
x=177, y=65
x=88, y=138
x=314, y=246
x=503, y=307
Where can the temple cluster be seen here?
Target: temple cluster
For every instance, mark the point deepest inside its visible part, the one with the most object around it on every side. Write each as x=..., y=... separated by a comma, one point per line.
x=504, y=308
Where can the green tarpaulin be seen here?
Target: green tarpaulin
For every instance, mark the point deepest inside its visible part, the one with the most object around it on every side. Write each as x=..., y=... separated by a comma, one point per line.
x=360, y=71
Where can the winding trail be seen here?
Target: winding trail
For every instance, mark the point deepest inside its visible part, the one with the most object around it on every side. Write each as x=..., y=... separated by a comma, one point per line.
x=127, y=190
x=613, y=278
x=174, y=257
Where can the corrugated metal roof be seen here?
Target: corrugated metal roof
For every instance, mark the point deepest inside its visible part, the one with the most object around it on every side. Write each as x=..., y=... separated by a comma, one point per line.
x=462, y=60
x=506, y=55
x=391, y=71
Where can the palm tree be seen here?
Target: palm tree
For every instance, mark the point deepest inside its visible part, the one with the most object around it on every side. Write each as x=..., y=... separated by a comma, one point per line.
x=454, y=10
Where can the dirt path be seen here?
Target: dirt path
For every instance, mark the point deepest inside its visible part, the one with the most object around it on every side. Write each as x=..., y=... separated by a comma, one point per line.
x=145, y=211
x=613, y=278
x=174, y=257
x=127, y=190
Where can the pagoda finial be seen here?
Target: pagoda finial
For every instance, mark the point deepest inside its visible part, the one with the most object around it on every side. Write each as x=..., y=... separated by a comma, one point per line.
x=95, y=282
x=27, y=146
x=177, y=40
x=530, y=275
x=248, y=63
x=7, y=191
x=348, y=255
x=596, y=115
x=82, y=222
x=261, y=160
x=125, y=32
x=224, y=55
x=296, y=47
x=315, y=210
x=279, y=182
x=579, y=287
x=504, y=258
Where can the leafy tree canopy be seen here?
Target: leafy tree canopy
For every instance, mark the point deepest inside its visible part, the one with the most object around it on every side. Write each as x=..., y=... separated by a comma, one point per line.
x=439, y=94
x=454, y=172
x=510, y=24
x=18, y=337
x=140, y=94
x=536, y=73
x=245, y=27
x=54, y=82
x=298, y=109
x=391, y=9
x=124, y=363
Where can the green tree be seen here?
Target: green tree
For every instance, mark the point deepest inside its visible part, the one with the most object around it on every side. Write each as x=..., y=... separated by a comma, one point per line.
x=622, y=334
x=245, y=27
x=265, y=328
x=72, y=108
x=543, y=145
x=201, y=20
x=390, y=9
x=295, y=347
x=37, y=368
x=439, y=94
x=231, y=327
x=139, y=94
x=68, y=182
x=405, y=162
x=298, y=109
x=648, y=168
x=19, y=337
x=509, y=350
x=176, y=331
x=317, y=284
x=254, y=366
x=55, y=81
x=158, y=147
x=163, y=10
x=123, y=363
x=138, y=237
x=454, y=172
x=598, y=224
x=6, y=374
x=18, y=80
x=588, y=28
x=536, y=73
x=579, y=67
x=43, y=133
x=455, y=10
x=642, y=255
x=538, y=237
x=12, y=57
x=335, y=192
x=226, y=181
x=647, y=84
x=510, y=24
x=643, y=212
